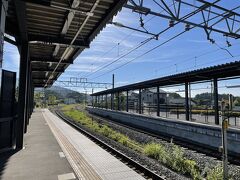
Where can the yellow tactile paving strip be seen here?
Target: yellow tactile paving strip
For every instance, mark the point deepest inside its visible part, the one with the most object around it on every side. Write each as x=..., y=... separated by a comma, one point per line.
x=83, y=170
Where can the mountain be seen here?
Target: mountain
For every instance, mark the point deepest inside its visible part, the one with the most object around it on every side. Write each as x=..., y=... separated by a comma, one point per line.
x=63, y=93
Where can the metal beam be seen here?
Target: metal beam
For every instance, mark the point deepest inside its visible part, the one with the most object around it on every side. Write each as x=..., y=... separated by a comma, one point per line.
x=39, y=85
x=67, y=24
x=43, y=79
x=56, y=6
x=7, y=39
x=50, y=60
x=56, y=40
x=21, y=19
x=111, y=12
x=210, y=24
x=47, y=70
x=40, y=2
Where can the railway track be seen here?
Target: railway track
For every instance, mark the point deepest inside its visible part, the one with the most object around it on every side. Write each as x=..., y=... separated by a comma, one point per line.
x=147, y=173
x=233, y=159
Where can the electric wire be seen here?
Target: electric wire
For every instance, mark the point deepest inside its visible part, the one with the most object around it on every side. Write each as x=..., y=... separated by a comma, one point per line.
x=155, y=46
x=135, y=48
x=117, y=44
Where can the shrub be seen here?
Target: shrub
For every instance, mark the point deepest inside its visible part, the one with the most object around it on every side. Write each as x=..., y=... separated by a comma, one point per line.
x=216, y=173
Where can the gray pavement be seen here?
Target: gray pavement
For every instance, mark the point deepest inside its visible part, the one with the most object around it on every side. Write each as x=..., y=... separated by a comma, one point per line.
x=41, y=159
x=91, y=161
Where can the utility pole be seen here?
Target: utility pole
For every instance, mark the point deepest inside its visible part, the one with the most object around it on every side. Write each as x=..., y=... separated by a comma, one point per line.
x=113, y=79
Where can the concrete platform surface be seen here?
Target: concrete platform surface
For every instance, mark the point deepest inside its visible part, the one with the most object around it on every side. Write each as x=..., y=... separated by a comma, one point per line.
x=88, y=159
x=41, y=159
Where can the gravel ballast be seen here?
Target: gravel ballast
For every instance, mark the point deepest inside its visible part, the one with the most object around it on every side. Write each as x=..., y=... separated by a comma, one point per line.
x=204, y=162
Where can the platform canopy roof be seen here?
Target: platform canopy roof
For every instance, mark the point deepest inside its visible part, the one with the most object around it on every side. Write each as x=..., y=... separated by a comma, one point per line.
x=221, y=71
x=57, y=31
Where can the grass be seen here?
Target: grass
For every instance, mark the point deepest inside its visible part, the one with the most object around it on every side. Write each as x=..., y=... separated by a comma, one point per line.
x=171, y=156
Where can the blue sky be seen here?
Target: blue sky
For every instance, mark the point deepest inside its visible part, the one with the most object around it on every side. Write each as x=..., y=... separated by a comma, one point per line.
x=190, y=51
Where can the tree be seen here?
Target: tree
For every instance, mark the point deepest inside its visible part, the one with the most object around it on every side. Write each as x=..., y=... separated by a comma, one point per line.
x=237, y=102
x=79, y=97
x=52, y=100
x=174, y=95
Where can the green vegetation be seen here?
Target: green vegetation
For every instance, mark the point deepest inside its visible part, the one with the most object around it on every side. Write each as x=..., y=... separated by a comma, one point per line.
x=216, y=173
x=171, y=156
x=57, y=95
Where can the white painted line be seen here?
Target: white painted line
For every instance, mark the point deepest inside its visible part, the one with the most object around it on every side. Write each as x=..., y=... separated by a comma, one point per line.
x=67, y=176
x=61, y=154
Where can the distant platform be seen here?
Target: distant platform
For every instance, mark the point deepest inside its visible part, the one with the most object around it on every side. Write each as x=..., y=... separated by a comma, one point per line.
x=205, y=135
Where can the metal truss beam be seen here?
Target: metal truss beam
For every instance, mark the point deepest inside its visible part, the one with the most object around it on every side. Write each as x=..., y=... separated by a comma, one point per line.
x=83, y=83
x=225, y=21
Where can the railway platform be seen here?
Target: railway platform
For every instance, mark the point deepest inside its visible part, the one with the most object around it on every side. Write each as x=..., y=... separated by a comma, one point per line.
x=55, y=150
x=40, y=159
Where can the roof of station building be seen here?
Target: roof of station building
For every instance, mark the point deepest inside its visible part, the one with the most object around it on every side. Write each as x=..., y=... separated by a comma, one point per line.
x=54, y=43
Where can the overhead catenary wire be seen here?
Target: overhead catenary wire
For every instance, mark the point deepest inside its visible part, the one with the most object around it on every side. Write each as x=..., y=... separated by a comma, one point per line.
x=157, y=45
x=106, y=65
x=207, y=63
x=196, y=57
x=116, y=45
x=141, y=55
x=184, y=17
